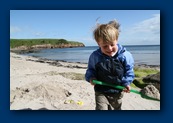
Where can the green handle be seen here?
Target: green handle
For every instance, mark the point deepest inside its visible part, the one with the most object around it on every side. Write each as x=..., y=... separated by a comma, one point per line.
x=121, y=88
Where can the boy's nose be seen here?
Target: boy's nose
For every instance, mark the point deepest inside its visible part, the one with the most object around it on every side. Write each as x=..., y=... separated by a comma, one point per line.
x=109, y=48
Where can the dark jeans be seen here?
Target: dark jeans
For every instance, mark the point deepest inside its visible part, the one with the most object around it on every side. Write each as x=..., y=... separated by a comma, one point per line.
x=105, y=101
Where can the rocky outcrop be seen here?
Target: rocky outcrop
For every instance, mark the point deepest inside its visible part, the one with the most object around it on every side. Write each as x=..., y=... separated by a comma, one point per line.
x=151, y=91
x=57, y=46
x=48, y=46
x=35, y=48
x=153, y=79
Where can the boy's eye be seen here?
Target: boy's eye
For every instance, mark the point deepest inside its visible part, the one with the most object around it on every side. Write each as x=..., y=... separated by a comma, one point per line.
x=104, y=46
x=112, y=45
x=107, y=46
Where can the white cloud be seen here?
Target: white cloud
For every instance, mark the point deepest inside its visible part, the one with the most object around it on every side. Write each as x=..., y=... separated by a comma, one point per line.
x=145, y=32
x=151, y=25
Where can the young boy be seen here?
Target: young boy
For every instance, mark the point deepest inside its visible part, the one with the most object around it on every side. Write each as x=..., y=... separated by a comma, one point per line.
x=111, y=63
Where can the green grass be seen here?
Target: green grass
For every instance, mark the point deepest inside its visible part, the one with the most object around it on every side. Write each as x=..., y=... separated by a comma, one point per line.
x=140, y=73
x=133, y=85
x=31, y=42
x=139, y=83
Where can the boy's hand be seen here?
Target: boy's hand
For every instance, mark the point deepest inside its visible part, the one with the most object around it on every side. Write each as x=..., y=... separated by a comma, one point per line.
x=91, y=81
x=127, y=89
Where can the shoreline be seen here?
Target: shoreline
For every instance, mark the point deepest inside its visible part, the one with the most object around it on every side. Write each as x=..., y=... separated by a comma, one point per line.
x=64, y=63
x=53, y=62
x=37, y=84
x=34, y=50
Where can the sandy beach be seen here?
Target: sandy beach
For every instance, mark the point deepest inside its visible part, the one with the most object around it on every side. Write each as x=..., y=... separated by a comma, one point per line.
x=54, y=86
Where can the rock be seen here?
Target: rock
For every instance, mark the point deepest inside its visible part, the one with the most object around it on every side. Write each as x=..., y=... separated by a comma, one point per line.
x=67, y=93
x=151, y=91
x=152, y=78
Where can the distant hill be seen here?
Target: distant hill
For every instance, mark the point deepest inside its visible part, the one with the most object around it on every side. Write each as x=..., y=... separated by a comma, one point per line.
x=28, y=44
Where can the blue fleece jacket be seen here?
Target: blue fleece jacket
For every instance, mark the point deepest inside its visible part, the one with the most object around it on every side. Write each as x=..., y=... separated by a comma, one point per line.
x=125, y=57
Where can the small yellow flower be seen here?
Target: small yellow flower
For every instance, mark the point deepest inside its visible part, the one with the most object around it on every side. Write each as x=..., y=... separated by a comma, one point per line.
x=80, y=103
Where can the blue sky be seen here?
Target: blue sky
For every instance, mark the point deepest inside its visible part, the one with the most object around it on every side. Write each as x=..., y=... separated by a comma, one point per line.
x=138, y=27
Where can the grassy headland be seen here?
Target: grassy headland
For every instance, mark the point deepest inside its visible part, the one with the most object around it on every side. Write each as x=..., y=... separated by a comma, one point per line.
x=27, y=44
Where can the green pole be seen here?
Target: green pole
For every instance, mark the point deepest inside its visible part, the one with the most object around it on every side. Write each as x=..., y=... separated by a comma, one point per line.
x=121, y=88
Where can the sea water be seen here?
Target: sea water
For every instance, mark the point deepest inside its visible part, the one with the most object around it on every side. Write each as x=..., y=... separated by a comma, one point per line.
x=143, y=54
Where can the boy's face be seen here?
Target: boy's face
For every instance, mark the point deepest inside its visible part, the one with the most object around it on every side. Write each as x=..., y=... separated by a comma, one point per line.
x=107, y=48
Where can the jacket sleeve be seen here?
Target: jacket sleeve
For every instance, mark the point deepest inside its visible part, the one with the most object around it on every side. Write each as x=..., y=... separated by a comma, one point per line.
x=90, y=72
x=129, y=72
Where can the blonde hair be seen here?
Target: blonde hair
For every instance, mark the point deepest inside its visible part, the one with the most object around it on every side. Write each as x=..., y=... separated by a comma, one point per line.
x=107, y=32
